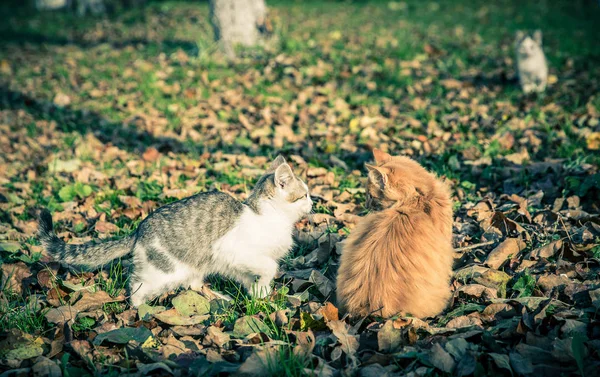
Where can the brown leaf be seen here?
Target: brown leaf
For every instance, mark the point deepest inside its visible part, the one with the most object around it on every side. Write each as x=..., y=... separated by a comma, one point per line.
x=323, y=284
x=94, y=300
x=441, y=359
x=319, y=218
x=215, y=337
x=43, y=366
x=451, y=84
x=432, y=50
x=57, y=344
x=45, y=279
x=258, y=363
x=305, y=341
x=172, y=346
x=316, y=172
x=341, y=330
x=62, y=100
x=13, y=275
x=546, y=251
x=329, y=312
x=106, y=227
x=548, y=282
x=508, y=227
x=510, y=247
x=56, y=296
x=151, y=154
x=498, y=311
x=130, y=201
x=478, y=291
x=280, y=318
x=464, y=321
x=389, y=337
x=83, y=349
x=88, y=301
x=177, y=193
x=349, y=218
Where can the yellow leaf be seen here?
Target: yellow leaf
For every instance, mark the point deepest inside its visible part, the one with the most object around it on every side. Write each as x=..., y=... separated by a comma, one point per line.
x=5, y=67
x=354, y=125
x=307, y=321
x=593, y=141
x=150, y=343
x=335, y=35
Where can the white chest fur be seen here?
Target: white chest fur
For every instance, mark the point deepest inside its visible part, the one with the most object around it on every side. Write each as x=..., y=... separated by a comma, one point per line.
x=536, y=63
x=266, y=234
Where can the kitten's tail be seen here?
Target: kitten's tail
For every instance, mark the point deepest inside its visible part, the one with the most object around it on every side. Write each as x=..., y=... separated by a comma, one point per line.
x=89, y=255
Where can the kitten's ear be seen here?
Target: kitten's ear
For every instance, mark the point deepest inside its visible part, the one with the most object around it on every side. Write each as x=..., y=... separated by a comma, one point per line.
x=380, y=156
x=283, y=175
x=279, y=160
x=377, y=176
x=519, y=35
x=537, y=37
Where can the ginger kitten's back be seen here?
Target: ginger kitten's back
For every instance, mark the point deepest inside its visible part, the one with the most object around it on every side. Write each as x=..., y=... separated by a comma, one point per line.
x=398, y=260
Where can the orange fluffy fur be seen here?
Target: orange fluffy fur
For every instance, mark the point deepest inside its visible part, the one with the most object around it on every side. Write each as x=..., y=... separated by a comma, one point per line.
x=398, y=259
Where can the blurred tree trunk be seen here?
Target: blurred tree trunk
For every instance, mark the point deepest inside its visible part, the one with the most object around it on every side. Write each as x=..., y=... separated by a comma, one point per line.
x=237, y=22
x=50, y=4
x=82, y=7
x=94, y=7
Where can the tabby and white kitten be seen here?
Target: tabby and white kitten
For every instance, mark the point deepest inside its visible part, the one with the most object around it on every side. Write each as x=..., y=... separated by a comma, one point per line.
x=181, y=243
x=531, y=62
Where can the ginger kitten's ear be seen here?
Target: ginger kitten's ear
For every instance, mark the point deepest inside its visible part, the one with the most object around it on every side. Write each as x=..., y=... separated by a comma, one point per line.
x=380, y=156
x=283, y=175
x=276, y=163
x=537, y=37
x=377, y=176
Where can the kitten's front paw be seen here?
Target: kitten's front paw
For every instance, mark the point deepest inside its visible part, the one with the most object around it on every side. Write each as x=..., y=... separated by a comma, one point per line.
x=197, y=286
x=137, y=300
x=529, y=88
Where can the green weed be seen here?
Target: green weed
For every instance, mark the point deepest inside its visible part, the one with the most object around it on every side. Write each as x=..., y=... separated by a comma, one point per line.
x=524, y=285
x=18, y=313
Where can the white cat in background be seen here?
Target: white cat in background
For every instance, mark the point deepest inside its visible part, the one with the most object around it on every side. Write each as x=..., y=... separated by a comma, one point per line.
x=531, y=62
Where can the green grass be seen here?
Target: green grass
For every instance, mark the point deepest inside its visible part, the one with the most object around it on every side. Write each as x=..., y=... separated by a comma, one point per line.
x=83, y=324
x=245, y=304
x=288, y=362
x=114, y=284
x=19, y=313
x=525, y=284
x=149, y=190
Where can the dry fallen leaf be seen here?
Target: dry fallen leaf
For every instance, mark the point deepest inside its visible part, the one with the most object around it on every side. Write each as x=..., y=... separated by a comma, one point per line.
x=106, y=227
x=13, y=275
x=151, y=154
x=508, y=248
x=593, y=141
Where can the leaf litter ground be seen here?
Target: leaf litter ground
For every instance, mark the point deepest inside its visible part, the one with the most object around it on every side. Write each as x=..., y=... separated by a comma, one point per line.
x=104, y=120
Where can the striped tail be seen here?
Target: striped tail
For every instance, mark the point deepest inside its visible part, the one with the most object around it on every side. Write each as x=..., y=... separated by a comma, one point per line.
x=88, y=255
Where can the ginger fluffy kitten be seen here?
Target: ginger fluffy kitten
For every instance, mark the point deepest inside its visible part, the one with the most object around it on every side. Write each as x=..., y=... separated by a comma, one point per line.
x=398, y=260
